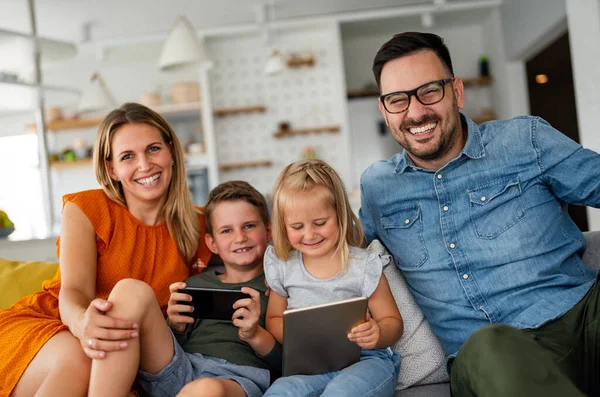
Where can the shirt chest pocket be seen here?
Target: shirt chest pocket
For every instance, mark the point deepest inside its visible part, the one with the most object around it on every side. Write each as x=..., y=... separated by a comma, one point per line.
x=403, y=229
x=496, y=207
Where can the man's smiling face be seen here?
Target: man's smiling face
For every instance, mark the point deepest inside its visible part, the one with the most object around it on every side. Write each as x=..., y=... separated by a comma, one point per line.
x=431, y=134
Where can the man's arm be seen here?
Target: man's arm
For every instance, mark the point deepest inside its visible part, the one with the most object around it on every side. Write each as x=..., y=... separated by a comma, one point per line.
x=571, y=171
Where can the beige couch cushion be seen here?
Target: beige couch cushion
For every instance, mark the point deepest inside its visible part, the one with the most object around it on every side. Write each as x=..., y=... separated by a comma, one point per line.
x=423, y=358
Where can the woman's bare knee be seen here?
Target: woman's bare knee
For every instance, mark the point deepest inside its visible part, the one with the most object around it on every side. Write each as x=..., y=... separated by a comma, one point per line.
x=131, y=289
x=130, y=297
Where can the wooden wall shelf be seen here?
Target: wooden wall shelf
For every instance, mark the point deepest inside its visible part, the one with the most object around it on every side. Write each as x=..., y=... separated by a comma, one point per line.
x=73, y=124
x=239, y=110
x=366, y=93
x=305, y=131
x=477, y=81
x=245, y=164
x=296, y=61
x=183, y=109
x=374, y=92
x=72, y=163
x=224, y=167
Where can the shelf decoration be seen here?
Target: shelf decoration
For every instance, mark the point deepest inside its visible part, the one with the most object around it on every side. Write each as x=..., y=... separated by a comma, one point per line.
x=308, y=153
x=246, y=164
x=277, y=62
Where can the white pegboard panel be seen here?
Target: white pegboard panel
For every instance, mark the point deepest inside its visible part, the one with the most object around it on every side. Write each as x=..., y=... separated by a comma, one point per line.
x=304, y=97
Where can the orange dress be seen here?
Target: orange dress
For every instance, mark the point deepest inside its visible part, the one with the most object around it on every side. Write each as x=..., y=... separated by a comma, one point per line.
x=126, y=249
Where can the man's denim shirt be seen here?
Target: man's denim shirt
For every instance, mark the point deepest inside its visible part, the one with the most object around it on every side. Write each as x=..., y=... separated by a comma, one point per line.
x=487, y=238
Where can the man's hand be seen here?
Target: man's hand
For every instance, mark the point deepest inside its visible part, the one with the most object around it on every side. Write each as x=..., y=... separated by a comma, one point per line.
x=177, y=321
x=247, y=314
x=367, y=334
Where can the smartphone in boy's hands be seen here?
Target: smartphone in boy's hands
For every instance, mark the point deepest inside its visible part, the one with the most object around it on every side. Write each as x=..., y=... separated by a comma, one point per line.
x=212, y=303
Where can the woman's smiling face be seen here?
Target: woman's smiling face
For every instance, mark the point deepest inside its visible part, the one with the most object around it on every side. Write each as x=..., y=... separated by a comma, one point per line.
x=142, y=162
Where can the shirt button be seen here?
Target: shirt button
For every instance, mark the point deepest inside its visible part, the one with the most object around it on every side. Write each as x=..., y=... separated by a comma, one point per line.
x=407, y=221
x=465, y=276
x=452, y=245
x=483, y=198
x=439, y=176
x=446, y=208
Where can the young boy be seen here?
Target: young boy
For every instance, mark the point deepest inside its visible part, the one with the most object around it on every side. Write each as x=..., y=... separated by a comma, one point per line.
x=211, y=357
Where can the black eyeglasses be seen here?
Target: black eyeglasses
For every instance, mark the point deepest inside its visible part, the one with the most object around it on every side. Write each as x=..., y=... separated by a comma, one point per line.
x=427, y=94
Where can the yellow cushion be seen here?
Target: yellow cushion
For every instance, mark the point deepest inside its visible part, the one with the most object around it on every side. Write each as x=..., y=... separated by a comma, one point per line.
x=18, y=279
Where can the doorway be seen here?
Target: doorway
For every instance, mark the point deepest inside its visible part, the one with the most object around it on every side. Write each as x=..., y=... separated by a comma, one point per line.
x=552, y=97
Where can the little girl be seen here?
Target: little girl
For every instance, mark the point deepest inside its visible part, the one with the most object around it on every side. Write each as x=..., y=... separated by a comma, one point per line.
x=316, y=259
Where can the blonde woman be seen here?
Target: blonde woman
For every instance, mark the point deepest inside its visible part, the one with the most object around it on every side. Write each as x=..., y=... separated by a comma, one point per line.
x=142, y=224
x=316, y=259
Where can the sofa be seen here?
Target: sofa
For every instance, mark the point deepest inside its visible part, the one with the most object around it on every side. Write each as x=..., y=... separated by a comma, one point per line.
x=423, y=366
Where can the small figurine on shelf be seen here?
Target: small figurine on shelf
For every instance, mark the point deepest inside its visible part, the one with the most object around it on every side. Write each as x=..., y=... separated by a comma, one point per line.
x=68, y=154
x=484, y=66
x=80, y=148
x=284, y=127
x=308, y=153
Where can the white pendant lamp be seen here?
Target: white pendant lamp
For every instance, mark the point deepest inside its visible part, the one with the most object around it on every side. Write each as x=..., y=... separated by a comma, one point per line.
x=96, y=96
x=182, y=47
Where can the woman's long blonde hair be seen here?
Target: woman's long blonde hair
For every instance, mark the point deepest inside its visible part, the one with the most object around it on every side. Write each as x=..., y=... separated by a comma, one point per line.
x=179, y=211
x=302, y=176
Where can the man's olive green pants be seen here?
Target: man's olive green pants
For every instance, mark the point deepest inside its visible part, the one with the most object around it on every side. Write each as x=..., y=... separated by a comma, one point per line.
x=561, y=358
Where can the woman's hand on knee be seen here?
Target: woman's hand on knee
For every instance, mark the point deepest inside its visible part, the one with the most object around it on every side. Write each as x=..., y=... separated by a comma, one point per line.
x=101, y=333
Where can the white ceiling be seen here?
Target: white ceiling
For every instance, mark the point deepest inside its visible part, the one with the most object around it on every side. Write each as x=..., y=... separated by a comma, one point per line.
x=110, y=19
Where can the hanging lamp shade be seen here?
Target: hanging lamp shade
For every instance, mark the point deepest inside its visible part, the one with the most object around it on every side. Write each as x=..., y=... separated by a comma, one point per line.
x=96, y=96
x=182, y=47
x=275, y=63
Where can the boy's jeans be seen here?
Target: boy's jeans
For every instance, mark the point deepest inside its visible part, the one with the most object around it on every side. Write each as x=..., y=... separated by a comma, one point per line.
x=375, y=374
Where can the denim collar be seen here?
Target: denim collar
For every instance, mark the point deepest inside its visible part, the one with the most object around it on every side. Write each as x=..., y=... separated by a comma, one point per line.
x=473, y=148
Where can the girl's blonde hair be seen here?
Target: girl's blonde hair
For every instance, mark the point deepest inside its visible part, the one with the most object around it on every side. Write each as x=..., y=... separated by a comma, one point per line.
x=180, y=213
x=302, y=176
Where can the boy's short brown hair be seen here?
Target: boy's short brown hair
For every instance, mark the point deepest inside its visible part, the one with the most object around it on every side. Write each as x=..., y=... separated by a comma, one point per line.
x=231, y=191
